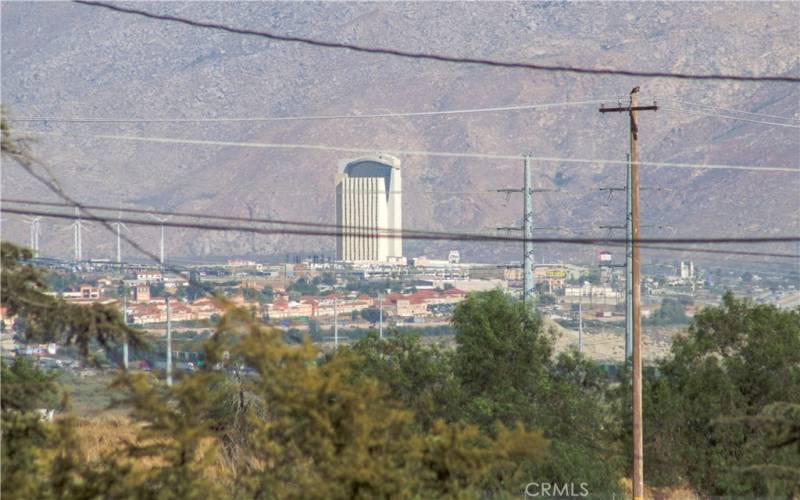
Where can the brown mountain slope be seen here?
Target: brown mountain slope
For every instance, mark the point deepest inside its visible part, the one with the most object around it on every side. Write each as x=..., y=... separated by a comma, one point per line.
x=70, y=60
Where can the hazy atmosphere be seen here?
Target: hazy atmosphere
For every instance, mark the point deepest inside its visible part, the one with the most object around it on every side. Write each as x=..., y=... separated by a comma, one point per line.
x=71, y=61
x=412, y=250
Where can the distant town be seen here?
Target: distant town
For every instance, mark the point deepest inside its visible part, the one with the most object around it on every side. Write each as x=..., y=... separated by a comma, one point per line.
x=370, y=285
x=305, y=296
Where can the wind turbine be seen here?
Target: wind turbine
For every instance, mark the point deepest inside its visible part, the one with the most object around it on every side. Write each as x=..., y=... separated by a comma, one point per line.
x=35, y=232
x=77, y=233
x=119, y=225
x=162, y=220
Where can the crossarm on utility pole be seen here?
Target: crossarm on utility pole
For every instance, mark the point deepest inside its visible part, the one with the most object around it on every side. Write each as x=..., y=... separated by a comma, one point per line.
x=628, y=109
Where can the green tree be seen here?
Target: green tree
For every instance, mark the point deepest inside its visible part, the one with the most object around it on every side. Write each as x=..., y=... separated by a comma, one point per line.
x=777, y=427
x=61, y=281
x=370, y=314
x=501, y=357
x=325, y=428
x=505, y=364
x=595, y=276
x=373, y=287
x=33, y=451
x=157, y=290
x=250, y=293
x=672, y=311
x=26, y=387
x=419, y=377
x=547, y=299
x=303, y=287
x=735, y=361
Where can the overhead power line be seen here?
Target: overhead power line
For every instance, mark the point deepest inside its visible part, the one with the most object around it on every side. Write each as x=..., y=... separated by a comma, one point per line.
x=230, y=218
x=270, y=221
x=406, y=232
x=793, y=256
x=651, y=242
x=728, y=117
x=729, y=110
x=403, y=152
x=436, y=57
x=404, y=114
x=401, y=114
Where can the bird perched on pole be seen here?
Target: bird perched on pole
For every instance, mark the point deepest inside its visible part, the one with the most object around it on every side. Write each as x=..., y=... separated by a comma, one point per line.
x=634, y=125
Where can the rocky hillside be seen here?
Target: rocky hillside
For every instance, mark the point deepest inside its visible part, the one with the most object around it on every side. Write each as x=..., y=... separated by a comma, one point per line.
x=62, y=59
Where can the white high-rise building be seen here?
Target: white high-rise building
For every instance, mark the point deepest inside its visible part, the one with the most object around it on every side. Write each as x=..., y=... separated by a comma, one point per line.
x=369, y=210
x=687, y=270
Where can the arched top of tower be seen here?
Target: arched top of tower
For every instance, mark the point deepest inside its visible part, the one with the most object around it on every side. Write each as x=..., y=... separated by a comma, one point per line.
x=378, y=165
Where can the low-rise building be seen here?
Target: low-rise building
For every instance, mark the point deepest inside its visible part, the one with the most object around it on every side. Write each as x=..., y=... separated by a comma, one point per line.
x=344, y=305
x=591, y=291
x=204, y=308
x=84, y=293
x=141, y=293
x=283, y=309
x=141, y=314
x=149, y=277
x=419, y=303
x=411, y=306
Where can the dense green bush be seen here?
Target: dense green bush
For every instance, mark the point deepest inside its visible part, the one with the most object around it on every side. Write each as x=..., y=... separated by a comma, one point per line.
x=705, y=420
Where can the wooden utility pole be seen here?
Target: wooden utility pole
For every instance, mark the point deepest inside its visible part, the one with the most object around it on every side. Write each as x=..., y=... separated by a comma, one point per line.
x=628, y=262
x=636, y=358
x=636, y=305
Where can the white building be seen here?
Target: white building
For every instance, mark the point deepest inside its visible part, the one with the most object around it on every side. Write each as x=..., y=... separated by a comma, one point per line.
x=589, y=290
x=687, y=270
x=454, y=257
x=369, y=211
x=149, y=277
